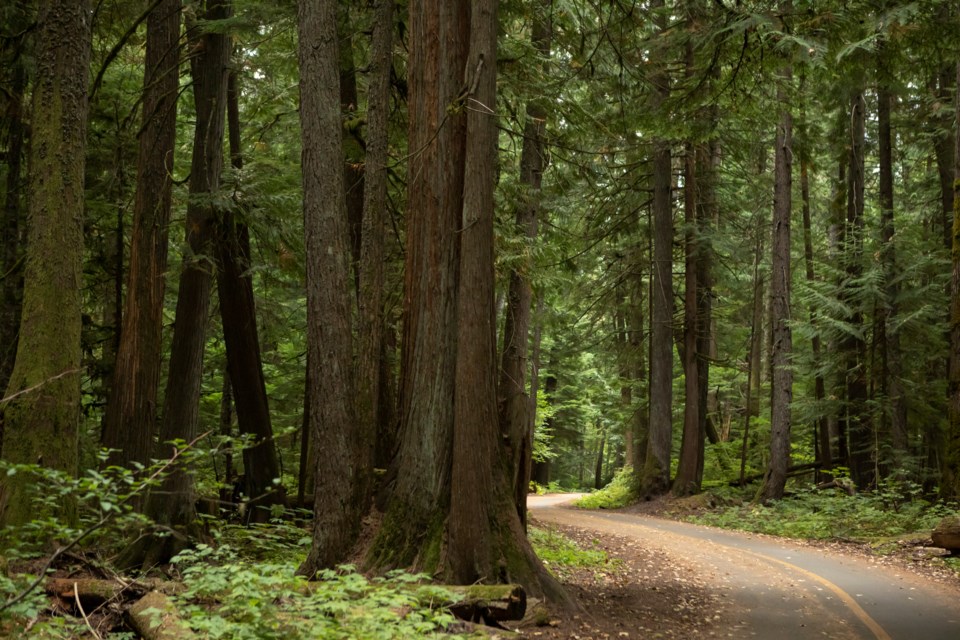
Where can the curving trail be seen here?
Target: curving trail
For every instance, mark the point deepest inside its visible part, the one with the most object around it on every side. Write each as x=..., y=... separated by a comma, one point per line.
x=777, y=589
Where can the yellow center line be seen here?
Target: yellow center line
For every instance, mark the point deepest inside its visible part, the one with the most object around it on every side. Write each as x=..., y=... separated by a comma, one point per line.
x=845, y=597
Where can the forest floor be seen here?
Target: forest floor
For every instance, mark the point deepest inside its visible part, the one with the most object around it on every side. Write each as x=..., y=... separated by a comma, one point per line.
x=646, y=593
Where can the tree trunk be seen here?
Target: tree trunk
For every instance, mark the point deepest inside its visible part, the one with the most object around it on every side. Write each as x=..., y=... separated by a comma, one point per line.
x=131, y=413
x=656, y=473
x=752, y=408
x=855, y=346
x=238, y=315
x=41, y=407
x=338, y=507
x=371, y=412
x=781, y=387
x=950, y=474
x=823, y=446
x=516, y=419
x=353, y=153
x=690, y=468
x=420, y=495
x=889, y=338
x=11, y=245
x=173, y=506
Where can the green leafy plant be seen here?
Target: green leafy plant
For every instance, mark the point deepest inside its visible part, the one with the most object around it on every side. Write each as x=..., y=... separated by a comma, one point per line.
x=229, y=597
x=621, y=491
x=562, y=556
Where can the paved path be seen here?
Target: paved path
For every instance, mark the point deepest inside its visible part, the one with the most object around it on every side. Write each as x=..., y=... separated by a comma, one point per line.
x=781, y=590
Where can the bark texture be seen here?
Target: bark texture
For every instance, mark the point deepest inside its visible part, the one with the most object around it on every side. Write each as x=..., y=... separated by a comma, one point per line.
x=781, y=387
x=172, y=507
x=238, y=316
x=950, y=474
x=419, y=495
x=516, y=417
x=41, y=406
x=337, y=477
x=131, y=414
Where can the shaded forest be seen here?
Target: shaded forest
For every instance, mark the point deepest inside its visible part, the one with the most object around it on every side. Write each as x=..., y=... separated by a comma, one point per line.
x=379, y=269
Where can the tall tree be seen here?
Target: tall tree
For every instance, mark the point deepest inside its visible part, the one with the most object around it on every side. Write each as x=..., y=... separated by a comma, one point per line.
x=332, y=415
x=855, y=345
x=41, y=407
x=690, y=467
x=655, y=478
x=238, y=316
x=419, y=495
x=888, y=336
x=516, y=418
x=781, y=387
x=373, y=414
x=172, y=507
x=950, y=473
x=14, y=138
x=131, y=413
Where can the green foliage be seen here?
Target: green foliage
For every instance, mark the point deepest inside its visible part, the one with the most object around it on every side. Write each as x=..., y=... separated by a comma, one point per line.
x=619, y=493
x=227, y=597
x=562, y=556
x=820, y=515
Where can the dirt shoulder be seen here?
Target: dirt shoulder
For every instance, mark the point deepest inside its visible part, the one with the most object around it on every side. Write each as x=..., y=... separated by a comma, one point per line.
x=662, y=590
x=644, y=594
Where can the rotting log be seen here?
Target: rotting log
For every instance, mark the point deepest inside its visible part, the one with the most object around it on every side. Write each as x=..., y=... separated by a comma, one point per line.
x=488, y=604
x=795, y=470
x=94, y=591
x=154, y=617
x=946, y=535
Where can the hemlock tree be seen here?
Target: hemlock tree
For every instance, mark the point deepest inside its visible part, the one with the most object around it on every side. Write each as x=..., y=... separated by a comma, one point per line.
x=41, y=406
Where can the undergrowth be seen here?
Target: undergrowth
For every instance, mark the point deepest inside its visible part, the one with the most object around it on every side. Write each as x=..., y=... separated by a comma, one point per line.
x=807, y=513
x=619, y=493
x=227, y=597
x=562, y=556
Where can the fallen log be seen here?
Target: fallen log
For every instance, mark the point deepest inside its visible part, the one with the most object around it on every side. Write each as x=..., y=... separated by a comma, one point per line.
x=946, y=535
x=795, y=470
x=154, y=617
x=94, y=592
x=486, y=603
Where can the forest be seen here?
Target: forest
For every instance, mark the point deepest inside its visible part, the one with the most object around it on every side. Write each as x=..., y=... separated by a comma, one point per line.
x=345, y=282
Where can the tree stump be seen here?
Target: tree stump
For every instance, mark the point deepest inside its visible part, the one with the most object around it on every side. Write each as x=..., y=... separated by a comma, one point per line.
x=946, y=535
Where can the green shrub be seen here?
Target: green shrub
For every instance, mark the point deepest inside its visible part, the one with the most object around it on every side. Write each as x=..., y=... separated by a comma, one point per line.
x=621, y=491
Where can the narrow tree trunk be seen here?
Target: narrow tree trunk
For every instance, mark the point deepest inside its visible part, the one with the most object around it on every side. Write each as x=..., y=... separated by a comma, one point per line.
x=950, y=473
x=823, y=445
x=752, y=408
x=131, y=413
x=11, y=245
x=172, y=507
x=656, y=473
x=598, y=469
x=781, y=387
x=690, y=468
x=353, y=154
x=337, y=509
x=888, y=337
x=238, y=315
x=858, y=420
x=516, y=420
x=371, y=335
x=41, y=407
